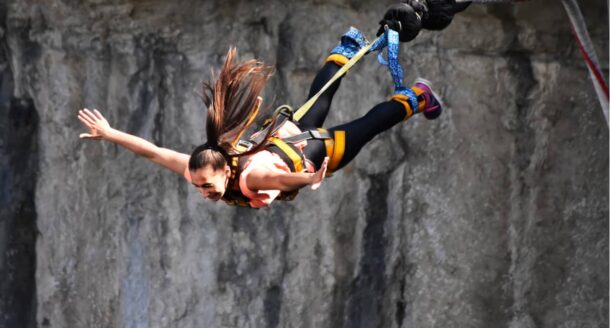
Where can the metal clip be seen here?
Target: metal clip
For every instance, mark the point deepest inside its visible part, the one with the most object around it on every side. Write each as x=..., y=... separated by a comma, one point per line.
x=386, y=27
x=318, y=135
x=245, y=144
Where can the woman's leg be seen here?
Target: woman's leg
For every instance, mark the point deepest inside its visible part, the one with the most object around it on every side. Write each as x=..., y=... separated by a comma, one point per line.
x=351, y=42
x=352, y=136
x=317, y=113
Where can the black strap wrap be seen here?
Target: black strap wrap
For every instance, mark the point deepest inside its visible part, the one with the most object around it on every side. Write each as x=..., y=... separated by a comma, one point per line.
x=308, y=135
x=283, y=114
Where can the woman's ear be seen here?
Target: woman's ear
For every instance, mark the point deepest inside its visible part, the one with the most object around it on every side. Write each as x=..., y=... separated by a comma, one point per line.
x=228, y=170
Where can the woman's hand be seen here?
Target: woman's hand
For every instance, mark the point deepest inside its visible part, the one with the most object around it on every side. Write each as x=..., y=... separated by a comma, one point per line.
x=100, y=129
x=319, y=175
x=97, y=124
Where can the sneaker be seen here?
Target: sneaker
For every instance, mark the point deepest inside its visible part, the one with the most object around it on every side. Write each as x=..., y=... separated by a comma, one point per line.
x=432, y=104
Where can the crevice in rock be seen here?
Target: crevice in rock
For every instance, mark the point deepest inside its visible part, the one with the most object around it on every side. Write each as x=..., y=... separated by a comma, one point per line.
x=135, y=284
x=522, y=257
x=273, y=306
x=273, y=295
x=151, y=85
x=285, y=58
x=18, y=230
x=18, y=174
x=344, y=235
x=401, y=301
x=368, y=288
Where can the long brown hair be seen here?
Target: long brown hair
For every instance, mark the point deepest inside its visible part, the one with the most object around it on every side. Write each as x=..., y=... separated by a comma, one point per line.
x=231, y=100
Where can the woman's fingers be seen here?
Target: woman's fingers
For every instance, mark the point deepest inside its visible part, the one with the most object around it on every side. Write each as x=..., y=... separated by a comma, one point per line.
x=323, y=167
x=89, y=136
x=90, y=115
x=85, y=121
x=320, y=174
x=98, y=114
x=91, y=120
x=83, y=114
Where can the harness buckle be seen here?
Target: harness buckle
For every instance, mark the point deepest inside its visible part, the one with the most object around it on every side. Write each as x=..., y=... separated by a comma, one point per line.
x=286, y=111
x=319, y=135
x=316, y=134
x=245, y=144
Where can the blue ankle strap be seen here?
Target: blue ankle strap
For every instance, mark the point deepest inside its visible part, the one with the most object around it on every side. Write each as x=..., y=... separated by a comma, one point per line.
x=411, y=97
x=393, y=47
x=392, y=43
x=351, y=42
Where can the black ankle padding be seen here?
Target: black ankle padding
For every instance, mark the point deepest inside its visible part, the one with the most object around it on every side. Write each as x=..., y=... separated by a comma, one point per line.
x=420, y=6
x=460, y=6
x=440, y=13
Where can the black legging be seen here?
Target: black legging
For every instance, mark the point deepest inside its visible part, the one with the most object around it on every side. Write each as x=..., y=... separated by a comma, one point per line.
x=358, y=132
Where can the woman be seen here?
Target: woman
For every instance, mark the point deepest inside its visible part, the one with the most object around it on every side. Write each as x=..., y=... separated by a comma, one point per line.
x=276, y=170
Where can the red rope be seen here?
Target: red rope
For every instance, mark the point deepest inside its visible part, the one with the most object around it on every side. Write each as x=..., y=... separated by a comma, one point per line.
x=598, y=75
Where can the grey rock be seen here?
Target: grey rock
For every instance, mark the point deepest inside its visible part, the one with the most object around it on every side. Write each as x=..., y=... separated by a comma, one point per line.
x=494, y=215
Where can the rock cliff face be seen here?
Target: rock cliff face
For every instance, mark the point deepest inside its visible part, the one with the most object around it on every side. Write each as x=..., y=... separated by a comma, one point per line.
x=494, y=215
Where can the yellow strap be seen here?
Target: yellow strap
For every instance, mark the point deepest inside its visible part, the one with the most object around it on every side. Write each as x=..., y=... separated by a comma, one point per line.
x=328, y=143
x=303, y=109
x=294, y=157
x=234, y=166
x=337, y=59
x=403, y=100
x=338, y=150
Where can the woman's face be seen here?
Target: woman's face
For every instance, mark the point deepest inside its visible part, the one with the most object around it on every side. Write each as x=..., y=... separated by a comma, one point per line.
x=211, y=183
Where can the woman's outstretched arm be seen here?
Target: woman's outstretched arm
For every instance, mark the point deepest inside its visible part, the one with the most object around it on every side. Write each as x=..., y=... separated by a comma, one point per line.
x=260, y=179
x=99, y=128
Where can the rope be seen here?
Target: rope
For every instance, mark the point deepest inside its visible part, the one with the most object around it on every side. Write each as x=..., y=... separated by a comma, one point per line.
x=299, y=113
x=388, y=39
x=579, y=29
x=392, y=49
x=583, y=41
x=594, y=69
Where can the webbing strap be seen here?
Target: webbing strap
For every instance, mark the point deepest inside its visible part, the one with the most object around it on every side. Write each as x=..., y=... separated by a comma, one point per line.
x=405, y=101
x=389, y=39
x=234, y=165
x=307, y=135
x=392, y=63
x=283, y=114
x=338, y=150
x=379, y=43
x=293, y=155
x=329, y=144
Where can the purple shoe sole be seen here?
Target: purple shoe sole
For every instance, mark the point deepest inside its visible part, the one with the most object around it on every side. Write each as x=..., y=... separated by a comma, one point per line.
x=434, y=107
